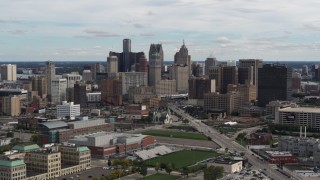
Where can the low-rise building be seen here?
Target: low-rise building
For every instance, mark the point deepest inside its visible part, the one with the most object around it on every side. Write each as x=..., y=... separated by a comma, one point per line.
x=280, y=157
x=12, y=169
x=68, y=110
x=229, y=166
x=103, y=145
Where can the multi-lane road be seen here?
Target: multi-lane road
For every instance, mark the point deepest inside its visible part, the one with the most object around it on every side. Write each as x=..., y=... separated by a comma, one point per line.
x=226, y=142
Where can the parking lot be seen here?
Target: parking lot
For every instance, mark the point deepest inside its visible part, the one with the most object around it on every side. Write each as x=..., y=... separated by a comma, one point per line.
x=89, y=174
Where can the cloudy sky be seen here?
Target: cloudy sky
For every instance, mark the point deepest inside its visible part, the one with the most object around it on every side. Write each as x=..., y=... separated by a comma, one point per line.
x=60, y=30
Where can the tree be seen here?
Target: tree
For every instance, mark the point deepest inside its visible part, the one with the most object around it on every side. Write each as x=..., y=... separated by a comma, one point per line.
x=213, y=173
x=163, y=165
x=10, y=134
x=242, y=154
x=226, y=150
x=143, y=170
x=157, y=167
x=34, y=138
x=169, y=168
x=109, y=162
x=185, y=171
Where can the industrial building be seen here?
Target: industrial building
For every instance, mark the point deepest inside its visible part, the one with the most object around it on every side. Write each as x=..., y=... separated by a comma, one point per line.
x=103, y=144
x=60, y=131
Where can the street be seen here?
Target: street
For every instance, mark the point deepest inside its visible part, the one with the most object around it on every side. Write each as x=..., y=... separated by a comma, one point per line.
x=226, y=142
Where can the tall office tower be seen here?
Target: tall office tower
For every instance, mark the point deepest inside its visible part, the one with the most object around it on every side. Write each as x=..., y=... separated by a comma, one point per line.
x=96, y=68
x=80, y=92
x=11, y=105
x=72, y=78
x=256, y=64
x=215, y=73
x=50, y=75
x=126, y=45
x=200, y=86
x=39, y=84
x=154, y=66
x=274, y=83
x=245, y=75
x=157, y=48
x=305, y=70
x=229, y=76
x=209, y=62
x=112, y=64
x=58, y=91
x=87, y=75
x=183, y=58
x=126, y=59
x=8, y=72
x=111, y=91
x=142, y=64
x=181, y=74
x=197, y=69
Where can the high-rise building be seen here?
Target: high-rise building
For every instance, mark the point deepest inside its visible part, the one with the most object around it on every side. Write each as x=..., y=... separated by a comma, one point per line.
x=39, y=84
x=126, y=59
x=154, y=65
x=157, y=48
x=229, y=76
x=181, y=74
x=111, y=91
x=72, y=78
x=229, y=102
x=215, y=72
x=58, y=90
x=11, y=105
x=112, y=64
x=245, y=75
x=68, y=110
x=8, y=72
x=87, y=75
x=80, y=94
x=142, y=64
x=96, y=69
x=183, y=58
x=209, y=62
x=274, y=83
x=129, y=79
x=127, y=45
x=50, y=75
x=199, y=86
x=255, y=64
x=166, y=87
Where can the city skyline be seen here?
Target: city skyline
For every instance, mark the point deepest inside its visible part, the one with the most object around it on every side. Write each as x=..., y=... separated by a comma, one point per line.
x=227, y=29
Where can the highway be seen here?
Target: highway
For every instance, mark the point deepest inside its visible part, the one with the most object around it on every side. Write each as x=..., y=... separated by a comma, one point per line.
x=226, y=142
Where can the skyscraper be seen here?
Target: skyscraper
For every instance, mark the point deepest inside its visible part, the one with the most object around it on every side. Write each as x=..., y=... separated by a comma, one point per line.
x=8, y=72
x=209, y=62
x=142, y=64
x=80, y=93
x=274, y=83
x=39, y=84
x=157, y=48
x=50, y=75
x=229, y=76
x=58, y=90
x=126, y=59
x=255, y=64
x=112, y=64
x=183, y=58
x=154, y=65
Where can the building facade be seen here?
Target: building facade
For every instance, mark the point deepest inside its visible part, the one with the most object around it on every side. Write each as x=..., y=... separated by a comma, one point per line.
x=229, y=102
x=50, y=75
x=68, y=110
x=11, y=105
x=154, y=66
x=130, y=79
x=8, y=72
x=58, y=90
x=112, y=64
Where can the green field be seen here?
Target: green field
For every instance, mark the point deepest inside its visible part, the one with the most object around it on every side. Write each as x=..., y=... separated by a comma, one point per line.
x=176, y=134
x=182, y=158
x=160, y=177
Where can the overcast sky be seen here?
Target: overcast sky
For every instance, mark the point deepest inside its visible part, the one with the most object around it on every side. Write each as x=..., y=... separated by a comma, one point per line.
x=62, y=30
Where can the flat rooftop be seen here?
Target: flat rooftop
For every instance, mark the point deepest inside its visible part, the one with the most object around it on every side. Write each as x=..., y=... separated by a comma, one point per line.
x=300, y=110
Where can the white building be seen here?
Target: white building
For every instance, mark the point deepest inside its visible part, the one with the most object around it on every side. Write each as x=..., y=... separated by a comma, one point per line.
x=58, y=90
x=72, y=78
x=299, y=116
x=66, y=110
x=94, y=97
x=8, y=72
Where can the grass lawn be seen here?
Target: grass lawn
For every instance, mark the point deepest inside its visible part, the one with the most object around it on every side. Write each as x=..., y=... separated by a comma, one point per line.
x=176, y=134
x=160, y=177
x=182, y=158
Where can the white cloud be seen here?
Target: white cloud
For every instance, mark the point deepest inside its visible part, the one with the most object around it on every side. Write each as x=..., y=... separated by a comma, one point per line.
x=233, y=28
